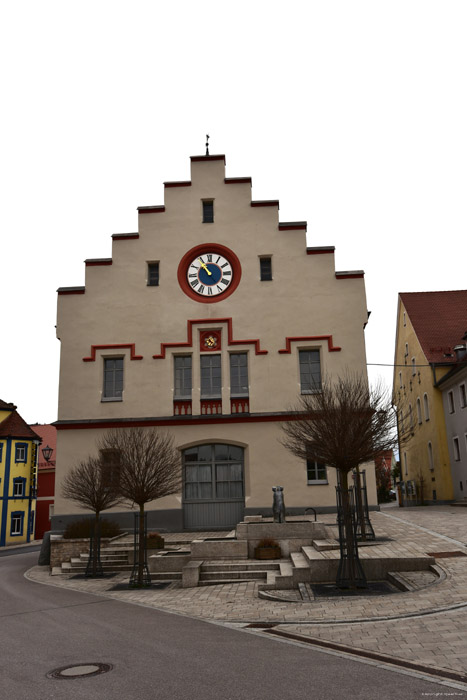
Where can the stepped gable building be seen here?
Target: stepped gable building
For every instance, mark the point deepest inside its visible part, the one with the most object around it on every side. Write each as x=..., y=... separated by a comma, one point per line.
x=429, y=362
x=208, y=322
x=18, y=471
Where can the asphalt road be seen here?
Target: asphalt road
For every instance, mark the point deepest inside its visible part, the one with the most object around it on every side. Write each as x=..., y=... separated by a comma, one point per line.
x=156, y=655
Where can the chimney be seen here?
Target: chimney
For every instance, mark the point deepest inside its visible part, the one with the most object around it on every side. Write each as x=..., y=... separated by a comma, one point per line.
x=461, y=352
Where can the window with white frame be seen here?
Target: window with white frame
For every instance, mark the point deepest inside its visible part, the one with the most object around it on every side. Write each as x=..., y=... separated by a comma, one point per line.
x=456, y=448
x=316, y=472
x=21, y=452
x=182, y=377
x=19, y=488
x=113, y=379
x=211, y=376
x=310, y=371
x=16, y=523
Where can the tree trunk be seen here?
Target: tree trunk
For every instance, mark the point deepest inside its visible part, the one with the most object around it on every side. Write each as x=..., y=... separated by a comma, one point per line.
x=141, y=546
x=359, y=503
x=95, y=548
x=352, y=574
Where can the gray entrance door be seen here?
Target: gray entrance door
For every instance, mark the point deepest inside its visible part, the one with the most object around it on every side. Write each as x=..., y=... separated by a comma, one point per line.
x=213, y=491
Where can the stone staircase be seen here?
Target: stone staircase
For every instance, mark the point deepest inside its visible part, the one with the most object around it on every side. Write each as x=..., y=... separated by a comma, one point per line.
x=112, y=558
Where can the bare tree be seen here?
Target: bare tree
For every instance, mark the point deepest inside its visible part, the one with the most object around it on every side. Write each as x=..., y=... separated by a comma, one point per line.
x=343, y=424
x=149, y=468
x=87, y=484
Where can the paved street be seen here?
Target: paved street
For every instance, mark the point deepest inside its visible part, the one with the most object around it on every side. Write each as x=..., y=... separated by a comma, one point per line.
x=425, y=630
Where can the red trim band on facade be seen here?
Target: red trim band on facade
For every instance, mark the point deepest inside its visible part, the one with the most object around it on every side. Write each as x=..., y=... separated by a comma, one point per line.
x=197, y=159
x=151, y=210
x=320, y=251
x=265, y=203
x=349, y=275
x=71, y=290
x=186, y=183
x=124, y=236
x=118, y=346
x=96, y=262
x=305, y=338
x=200, y=250
x=189, y=341
x=237, y=180
x=293, y=226
x=175, y=420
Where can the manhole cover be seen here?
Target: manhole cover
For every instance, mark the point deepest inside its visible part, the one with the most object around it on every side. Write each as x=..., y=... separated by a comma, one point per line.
x=446, y=555
x=79, y=671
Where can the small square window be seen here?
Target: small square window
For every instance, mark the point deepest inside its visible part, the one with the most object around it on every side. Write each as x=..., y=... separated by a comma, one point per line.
x=153, y=274
x=265, y=269
x=21, y=453
x=208, y=211
x=19, y=488
x=17, y=519
x=316, y=472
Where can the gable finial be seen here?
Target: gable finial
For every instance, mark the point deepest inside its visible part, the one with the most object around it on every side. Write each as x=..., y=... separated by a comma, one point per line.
x=207, y=144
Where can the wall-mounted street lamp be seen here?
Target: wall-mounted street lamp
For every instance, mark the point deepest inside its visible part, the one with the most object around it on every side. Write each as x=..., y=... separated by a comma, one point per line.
x=47, y=452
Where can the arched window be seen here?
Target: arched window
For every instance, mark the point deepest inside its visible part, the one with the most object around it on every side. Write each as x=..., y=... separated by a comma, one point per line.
x=425, y=406
x=430, y=456
x=410, y=417
x=419, y=410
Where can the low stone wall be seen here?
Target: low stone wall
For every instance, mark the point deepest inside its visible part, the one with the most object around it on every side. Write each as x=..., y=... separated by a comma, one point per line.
x=291, y=535
x=63, y=550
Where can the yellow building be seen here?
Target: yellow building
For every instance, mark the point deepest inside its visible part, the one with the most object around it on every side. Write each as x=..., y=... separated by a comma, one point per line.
x=429, y=326
x=18, y=464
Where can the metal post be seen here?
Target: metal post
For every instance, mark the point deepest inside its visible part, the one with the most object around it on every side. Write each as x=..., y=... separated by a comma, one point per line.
x=350, y=572
x=94, y=565
x=134, y=582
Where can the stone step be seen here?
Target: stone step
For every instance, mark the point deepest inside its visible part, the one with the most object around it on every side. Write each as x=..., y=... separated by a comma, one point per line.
x=166, y=575
x=232, y=575
x=70, y=568
x=312, y=554
x=107, y=557
x=286, y=568
x=241, y=566
x=325, y=545
x=299, y=561
x=223, y=582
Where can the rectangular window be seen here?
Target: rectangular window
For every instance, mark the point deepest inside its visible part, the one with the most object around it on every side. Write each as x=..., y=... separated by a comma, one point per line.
x=113, y=379
x=21, y=453
x=239, y=374
x=1, y=451
x=316, y=472
x=153, y=274
x=463, y=397
x=19, y=486
x=183, y=382
x=451, y=402
x=17, y=523
x=457, y=452
x=265, y=269
x=211, y=376
x=208, y=211
x=310, y=371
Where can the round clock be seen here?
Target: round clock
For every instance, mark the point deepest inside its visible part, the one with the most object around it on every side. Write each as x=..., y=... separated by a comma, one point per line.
x=209, y=272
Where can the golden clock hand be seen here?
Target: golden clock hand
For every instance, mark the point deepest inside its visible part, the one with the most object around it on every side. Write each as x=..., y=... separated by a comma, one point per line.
x=204, y=266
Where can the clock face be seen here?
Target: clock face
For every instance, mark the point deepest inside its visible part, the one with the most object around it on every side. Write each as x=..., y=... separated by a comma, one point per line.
x=209, y=274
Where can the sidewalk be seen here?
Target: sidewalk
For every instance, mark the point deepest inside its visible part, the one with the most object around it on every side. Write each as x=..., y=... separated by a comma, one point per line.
x=427, y=628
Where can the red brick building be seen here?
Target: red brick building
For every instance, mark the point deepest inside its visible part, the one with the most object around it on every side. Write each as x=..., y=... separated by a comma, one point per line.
x=45, y=478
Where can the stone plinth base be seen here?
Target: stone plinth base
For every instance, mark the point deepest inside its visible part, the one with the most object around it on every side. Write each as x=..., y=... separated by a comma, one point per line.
x=291, y=536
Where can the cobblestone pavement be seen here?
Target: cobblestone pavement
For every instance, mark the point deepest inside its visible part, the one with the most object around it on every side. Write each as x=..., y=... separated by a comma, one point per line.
x=427, y=627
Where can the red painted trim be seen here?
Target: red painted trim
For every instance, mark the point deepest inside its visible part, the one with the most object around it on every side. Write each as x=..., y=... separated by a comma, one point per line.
x=186, y=183
x=265, y=203
x=320, y=251
x=96, y=263
x=350, y=276
x=124, y=236
x=78, y=290
x=151, y=210
x=118, y=346
x=197, y=159
x=292, y=227
x=199, y=250
x=189, y=340
x=305, y=338
x=237, y=180
x=175, y=420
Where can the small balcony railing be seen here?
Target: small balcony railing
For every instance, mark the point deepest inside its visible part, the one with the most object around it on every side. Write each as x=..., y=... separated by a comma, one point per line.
x=240, y=405
x=211, y=407
x=182, y=408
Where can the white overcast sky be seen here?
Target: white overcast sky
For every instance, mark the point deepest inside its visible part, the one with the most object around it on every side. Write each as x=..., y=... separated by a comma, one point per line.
x=352, y=114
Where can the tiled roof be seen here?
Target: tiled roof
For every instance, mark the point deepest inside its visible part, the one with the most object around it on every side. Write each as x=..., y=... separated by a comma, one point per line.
x=48, y=433
x=15, y=427
x=7, y=406
x=439, y=320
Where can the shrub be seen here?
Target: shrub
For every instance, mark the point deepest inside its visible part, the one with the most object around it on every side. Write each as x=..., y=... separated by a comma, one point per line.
x=154, y=540
x=85, y=526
